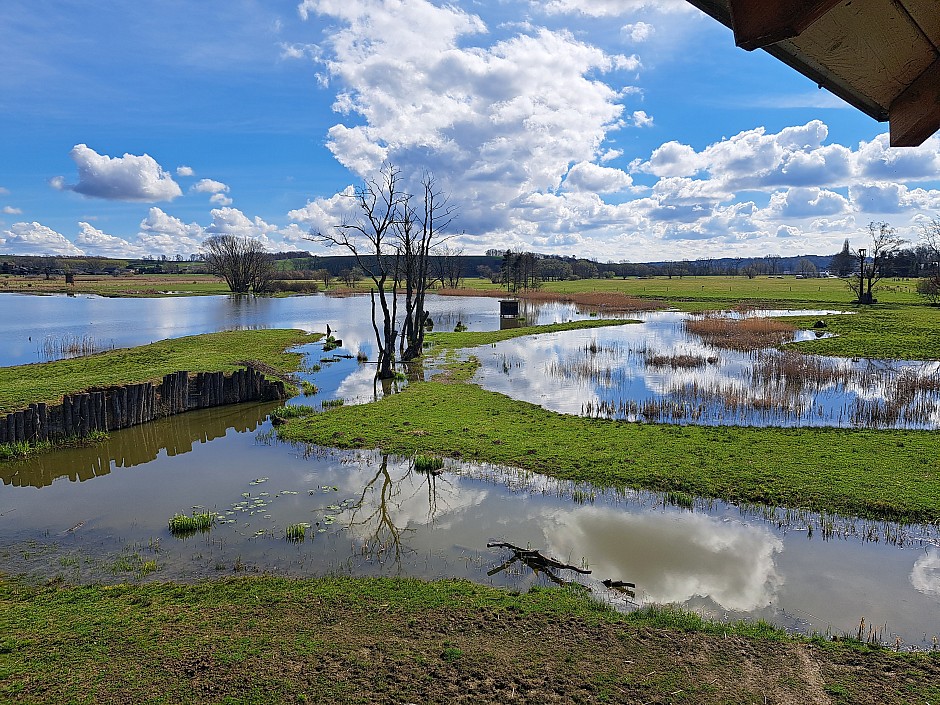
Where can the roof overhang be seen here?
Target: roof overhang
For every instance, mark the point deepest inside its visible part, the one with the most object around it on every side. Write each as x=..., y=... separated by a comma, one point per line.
x=881, y=56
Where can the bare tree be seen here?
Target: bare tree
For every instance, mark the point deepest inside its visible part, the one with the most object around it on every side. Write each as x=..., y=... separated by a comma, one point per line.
x=418, y=233
x=448, y=269
x=884, y=242
x=242, y=262
x=929, y=286
x=371, y=238
x=350, y=276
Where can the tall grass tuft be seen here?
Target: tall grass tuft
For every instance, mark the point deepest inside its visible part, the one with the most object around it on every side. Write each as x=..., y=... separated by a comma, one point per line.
x=743, y=334
x=428, y=463
x=182, y=525
x=296, y=533
x=66, y=346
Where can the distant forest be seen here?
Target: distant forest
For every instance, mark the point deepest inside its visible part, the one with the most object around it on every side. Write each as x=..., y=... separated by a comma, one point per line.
x=522, y=269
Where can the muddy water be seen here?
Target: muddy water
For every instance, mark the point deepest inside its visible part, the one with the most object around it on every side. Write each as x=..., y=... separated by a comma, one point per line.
x=101, y=514
x=656, y=371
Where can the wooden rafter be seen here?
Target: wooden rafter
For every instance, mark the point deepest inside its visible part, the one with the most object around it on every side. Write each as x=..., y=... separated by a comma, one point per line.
x=759, y=23
x=915, y=114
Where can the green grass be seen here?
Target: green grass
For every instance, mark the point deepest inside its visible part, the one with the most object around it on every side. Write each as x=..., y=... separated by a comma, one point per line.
x=428, y=463
x=879, y=474
x=880, y=331
x=214, y=352
x=720, y=291
x=296, y=532
x=182, y=525
x=469, y=339
x=273, y=640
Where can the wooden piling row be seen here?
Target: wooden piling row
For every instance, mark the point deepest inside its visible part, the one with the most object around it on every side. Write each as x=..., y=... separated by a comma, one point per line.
x=129, y=405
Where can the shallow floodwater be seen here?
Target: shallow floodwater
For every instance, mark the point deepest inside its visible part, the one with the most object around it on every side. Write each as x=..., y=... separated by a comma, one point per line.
x=31, y=327
x=656, y=371
x=101, y=514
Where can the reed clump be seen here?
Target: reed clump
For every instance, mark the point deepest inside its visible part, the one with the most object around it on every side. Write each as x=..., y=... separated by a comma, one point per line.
x=743, y=334
x=428, y=463
x=296, y=533
x=182, y=525
x=68, y=346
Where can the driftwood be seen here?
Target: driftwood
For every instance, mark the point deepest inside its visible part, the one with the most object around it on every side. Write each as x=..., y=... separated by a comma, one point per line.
x=628, y=589
x=534, y=560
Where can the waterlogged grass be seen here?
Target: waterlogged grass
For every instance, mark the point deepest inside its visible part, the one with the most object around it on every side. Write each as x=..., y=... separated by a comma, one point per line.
x=22, y=450
x=296, y=532
x=886, y=332
x=215, y=352
x=361, y=640
x=878, y=474
x=468, y=339
x=428, y=463
x=182, y=525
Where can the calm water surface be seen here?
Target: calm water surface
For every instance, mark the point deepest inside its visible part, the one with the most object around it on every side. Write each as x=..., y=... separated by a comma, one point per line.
x=26, y=321
x=101, y=513
x=636, y=372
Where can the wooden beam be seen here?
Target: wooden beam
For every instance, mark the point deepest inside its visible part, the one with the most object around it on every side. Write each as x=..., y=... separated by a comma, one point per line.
x=760, y=23
x=915, y=114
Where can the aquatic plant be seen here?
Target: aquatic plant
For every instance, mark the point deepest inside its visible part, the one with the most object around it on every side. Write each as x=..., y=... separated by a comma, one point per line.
x=182, y=525
x=428, y=463
x=68, y=346
x=361, y=356
x=296, y=532
x=331, y=403
x=308, y=388
x=739, y=333
x=679, y=499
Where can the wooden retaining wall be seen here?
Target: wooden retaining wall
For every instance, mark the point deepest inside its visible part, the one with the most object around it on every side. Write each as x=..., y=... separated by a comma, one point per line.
x=118, y=407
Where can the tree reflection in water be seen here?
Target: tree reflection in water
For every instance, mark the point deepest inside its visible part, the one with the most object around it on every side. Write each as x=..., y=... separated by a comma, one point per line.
x=386, y=508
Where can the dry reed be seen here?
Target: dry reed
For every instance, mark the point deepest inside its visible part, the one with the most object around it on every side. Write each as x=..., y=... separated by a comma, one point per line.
x=743, y=334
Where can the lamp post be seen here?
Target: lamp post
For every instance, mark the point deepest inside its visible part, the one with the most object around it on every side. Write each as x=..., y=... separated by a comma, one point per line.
x=861, y=274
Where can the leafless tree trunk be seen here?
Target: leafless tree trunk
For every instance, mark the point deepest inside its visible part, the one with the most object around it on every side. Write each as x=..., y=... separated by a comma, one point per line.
x=447, y=266
x=418, y=233
x=370, y=238
x=884, y=242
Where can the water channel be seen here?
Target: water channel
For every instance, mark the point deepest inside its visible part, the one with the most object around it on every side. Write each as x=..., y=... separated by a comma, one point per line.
x=100, y=514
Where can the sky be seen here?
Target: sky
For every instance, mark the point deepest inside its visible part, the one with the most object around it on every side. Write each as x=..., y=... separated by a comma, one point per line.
x=620, y=130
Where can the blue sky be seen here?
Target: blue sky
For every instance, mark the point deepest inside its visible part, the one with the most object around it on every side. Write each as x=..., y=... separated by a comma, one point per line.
x=616, y=129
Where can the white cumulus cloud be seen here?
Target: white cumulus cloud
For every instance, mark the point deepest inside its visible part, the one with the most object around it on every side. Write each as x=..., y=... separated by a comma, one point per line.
x=36, y=239
x=127, y=178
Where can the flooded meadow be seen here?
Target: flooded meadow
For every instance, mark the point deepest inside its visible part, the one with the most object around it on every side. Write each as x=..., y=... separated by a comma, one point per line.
x=101, y=513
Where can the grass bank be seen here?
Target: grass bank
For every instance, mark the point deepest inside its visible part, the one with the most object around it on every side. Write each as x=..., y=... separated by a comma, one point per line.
x=892, y=332
x=469, y=339
x=368, y=640
x=213, y=352
x=877, y=474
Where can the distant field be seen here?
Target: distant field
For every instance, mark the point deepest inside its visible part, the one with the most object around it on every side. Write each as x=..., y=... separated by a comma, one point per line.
x=726, y=290
x=139, y=285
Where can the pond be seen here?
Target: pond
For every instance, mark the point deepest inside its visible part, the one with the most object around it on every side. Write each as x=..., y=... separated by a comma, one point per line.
x=101, y=513
x=37, y=328
x=661, y=373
